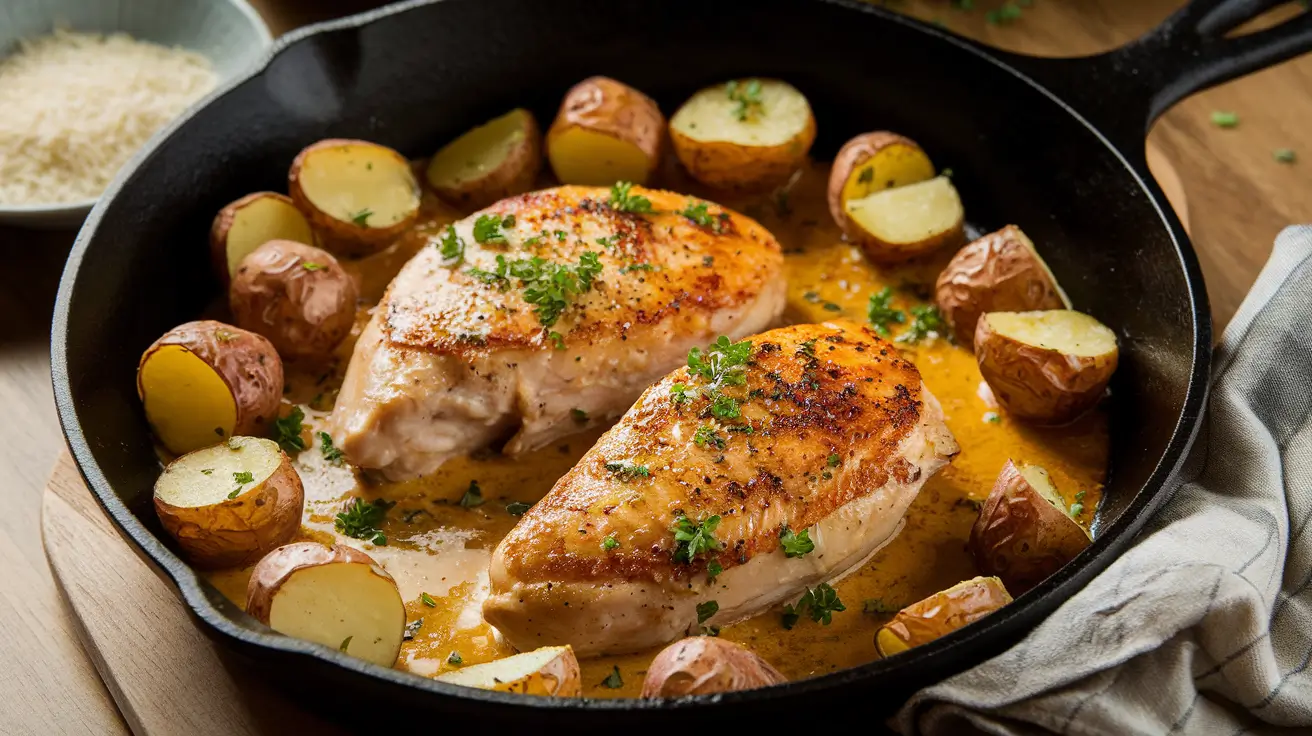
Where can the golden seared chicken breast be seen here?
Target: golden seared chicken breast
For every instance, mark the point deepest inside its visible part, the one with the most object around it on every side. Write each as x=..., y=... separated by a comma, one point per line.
x=544, y=313
x=762, y=468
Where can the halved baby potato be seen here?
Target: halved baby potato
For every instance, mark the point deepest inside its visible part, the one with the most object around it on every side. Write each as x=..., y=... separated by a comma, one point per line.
x=296, y=295
x=1048, y=367
x=941, y=614
x=203, y=382
x=748, y=134
x=545, y=671
x=250, y=222
x=231, y=503
x=873, y=162
x=1024, y=533
x=898, y=224
x=605, y=131
x=336, y=596
x=1000, y=272
x=491, y=162
x=358, y=196
x=701, y=665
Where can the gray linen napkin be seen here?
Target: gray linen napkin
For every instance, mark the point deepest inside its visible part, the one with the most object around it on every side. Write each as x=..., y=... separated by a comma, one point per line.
x=1205, y=624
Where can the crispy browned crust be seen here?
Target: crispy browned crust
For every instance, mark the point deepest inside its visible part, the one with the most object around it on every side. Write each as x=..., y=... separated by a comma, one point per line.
x=223, y=223
x=1000, y=272
x=944, y=612
x=701, y=665
x=852, y=155
x=477, y=318
x=856, y=391
x=245, y=361
x=613, y=108
x=1039, y=384
x=1021, y=537
x=238, y=531
x=516, y=174
x=277, y=566
x=734, y=167
x=304, y=312
x=340, y=236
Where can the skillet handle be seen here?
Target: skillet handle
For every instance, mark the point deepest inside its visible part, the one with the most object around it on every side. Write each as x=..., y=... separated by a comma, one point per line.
x=1124, y=90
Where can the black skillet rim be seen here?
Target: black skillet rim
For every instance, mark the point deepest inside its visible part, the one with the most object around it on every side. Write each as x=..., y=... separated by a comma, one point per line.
x=189, y=585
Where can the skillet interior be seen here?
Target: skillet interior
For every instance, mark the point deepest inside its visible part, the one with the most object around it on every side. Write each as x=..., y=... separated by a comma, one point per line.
x=414, y=79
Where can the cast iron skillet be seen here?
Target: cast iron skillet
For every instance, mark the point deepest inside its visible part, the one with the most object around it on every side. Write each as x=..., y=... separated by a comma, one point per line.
x=1054, y=145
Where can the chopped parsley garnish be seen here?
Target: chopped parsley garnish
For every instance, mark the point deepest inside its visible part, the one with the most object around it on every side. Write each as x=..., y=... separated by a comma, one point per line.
x=473, y=496
x=708, y=260
x=831, y=307
x=796, y=544
x=679, y=392
x=345, y=643
x=455, y=659
x=518, y=508
x=637, y=267
x=610, y=543
x=223, y=335
x=693, y=540
x=723, y=363
x=287, y=431
x=881, y=315
x=330, y=453
x=807, y=349
x=833, y=460
x=243, y=477
x=820, y=603
x=360, y=520
x=608, y=241
x=1223, y=119
x=1077, y=508
x=700, y=214
x=411, y=629
x=613, y=680
x=311, y=266
x=725, y=407
x=747, y=95
x=1284, y=155
x=557, y=340
x=560, y=235
x=706, y=435
x=992, y=417
x=877, y=606
x=713, y=570
x=427, y=600
x=487, y=229
x=579, y=415
x=548, y=286
x=926, y=321
x=812, y=297
x=627, y=470
x=361, y=218
x=867, y=175
x=452, y=247
x=207, y=471
x=1009, y=12
x=622, y=200
x=706, y=610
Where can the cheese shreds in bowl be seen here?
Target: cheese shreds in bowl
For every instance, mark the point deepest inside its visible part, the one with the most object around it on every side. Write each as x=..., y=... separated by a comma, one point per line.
x=76, y=106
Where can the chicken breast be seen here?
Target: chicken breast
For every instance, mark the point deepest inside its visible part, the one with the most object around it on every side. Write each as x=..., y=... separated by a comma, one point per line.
x=823, y=428
x=545, y=313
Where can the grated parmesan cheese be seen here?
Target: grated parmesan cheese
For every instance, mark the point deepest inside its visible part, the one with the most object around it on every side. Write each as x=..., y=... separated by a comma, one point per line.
x=78, y=105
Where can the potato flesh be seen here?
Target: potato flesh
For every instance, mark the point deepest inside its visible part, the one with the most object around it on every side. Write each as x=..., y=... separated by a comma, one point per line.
x=586, y=157
x=1039, y=480
x=360, y=183
x=1065, y=331
x=893, y=166
x=909, y=214
x=187, y=483
x=188, y=404
x=328, y=603
x=262, y=220
x=712, y=115
x=476, y=153
x=530, y=672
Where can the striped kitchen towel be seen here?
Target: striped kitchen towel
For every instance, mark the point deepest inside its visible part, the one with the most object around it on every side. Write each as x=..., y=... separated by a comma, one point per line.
x=1205, y=624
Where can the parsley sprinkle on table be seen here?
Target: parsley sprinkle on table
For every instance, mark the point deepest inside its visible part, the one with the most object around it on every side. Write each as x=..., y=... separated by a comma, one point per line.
x=287, y=431
x=1285, y=155
x=360, y=520
x=797, y=544
x=880, y=314
x=1223, y=119
x=473, y=496
x=623, y=201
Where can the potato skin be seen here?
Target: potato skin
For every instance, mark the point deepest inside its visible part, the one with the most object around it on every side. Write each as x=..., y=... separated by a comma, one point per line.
x=1038, y=384
x=516, y=174
x=241, y=530
x=339, y=236
x=997, y=273
x=304, y=312
x=1019, y=536
x=247, y=363
x=604, y=105
x=940, y=614
x=274, y=569
x=701, y=665
x=851, y=156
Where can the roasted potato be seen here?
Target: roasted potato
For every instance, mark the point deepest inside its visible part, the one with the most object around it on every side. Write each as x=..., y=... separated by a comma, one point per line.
x=605, y=132
x=941, y=614
x=295, y=295
x=491, y=162
x=231, y=503
x=873, y=162
x=337, y=596
x=250, y=222
x=898, y=224
x=1024, y=533
x=749, y=134
x=358, y=196
x=545, y=671
x=700, y=665
x=203, y=382
x=1048, y=367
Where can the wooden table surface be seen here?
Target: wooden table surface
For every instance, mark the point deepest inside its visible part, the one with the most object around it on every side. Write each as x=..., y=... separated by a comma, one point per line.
x=1239, y=198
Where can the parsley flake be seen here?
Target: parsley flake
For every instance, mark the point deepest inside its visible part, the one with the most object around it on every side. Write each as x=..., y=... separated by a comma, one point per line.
x=360, y=520
x=361, y=218
x=613, y=680
x=700, y=214
x=627, y=470
x=345, y=643
x=706, y=610
x=452, y=247
x=487, y=229
x=312, y=266
x=880, y=314
x=706, y=435
x=1223, y=119
x=693, y=540
x=579, y=415
x=330, y=453
x=820, y=603
x=427, y=600
x=287, y=431
x=518, y=508
x=833, y=460
x=926, y=322
x=876, y=606
x=746, y=95
x=623, y=201
x=473, y=496
x=796, y=544
x=1284, y=155
x=610, y=543
x=455, y=659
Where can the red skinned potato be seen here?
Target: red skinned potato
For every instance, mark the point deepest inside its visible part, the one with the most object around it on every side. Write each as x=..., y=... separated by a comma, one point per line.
x=203, y=382
x=873, y=162
x=552, y=671
x=605, y=131
x=250, y=222
x=336, y=596
x=1000, y=272
x=229, y=504
x=701, y=665
x=1024, y=533
x=500, y=158
x=295, y=295
x=358, y=196
x=941, y=614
